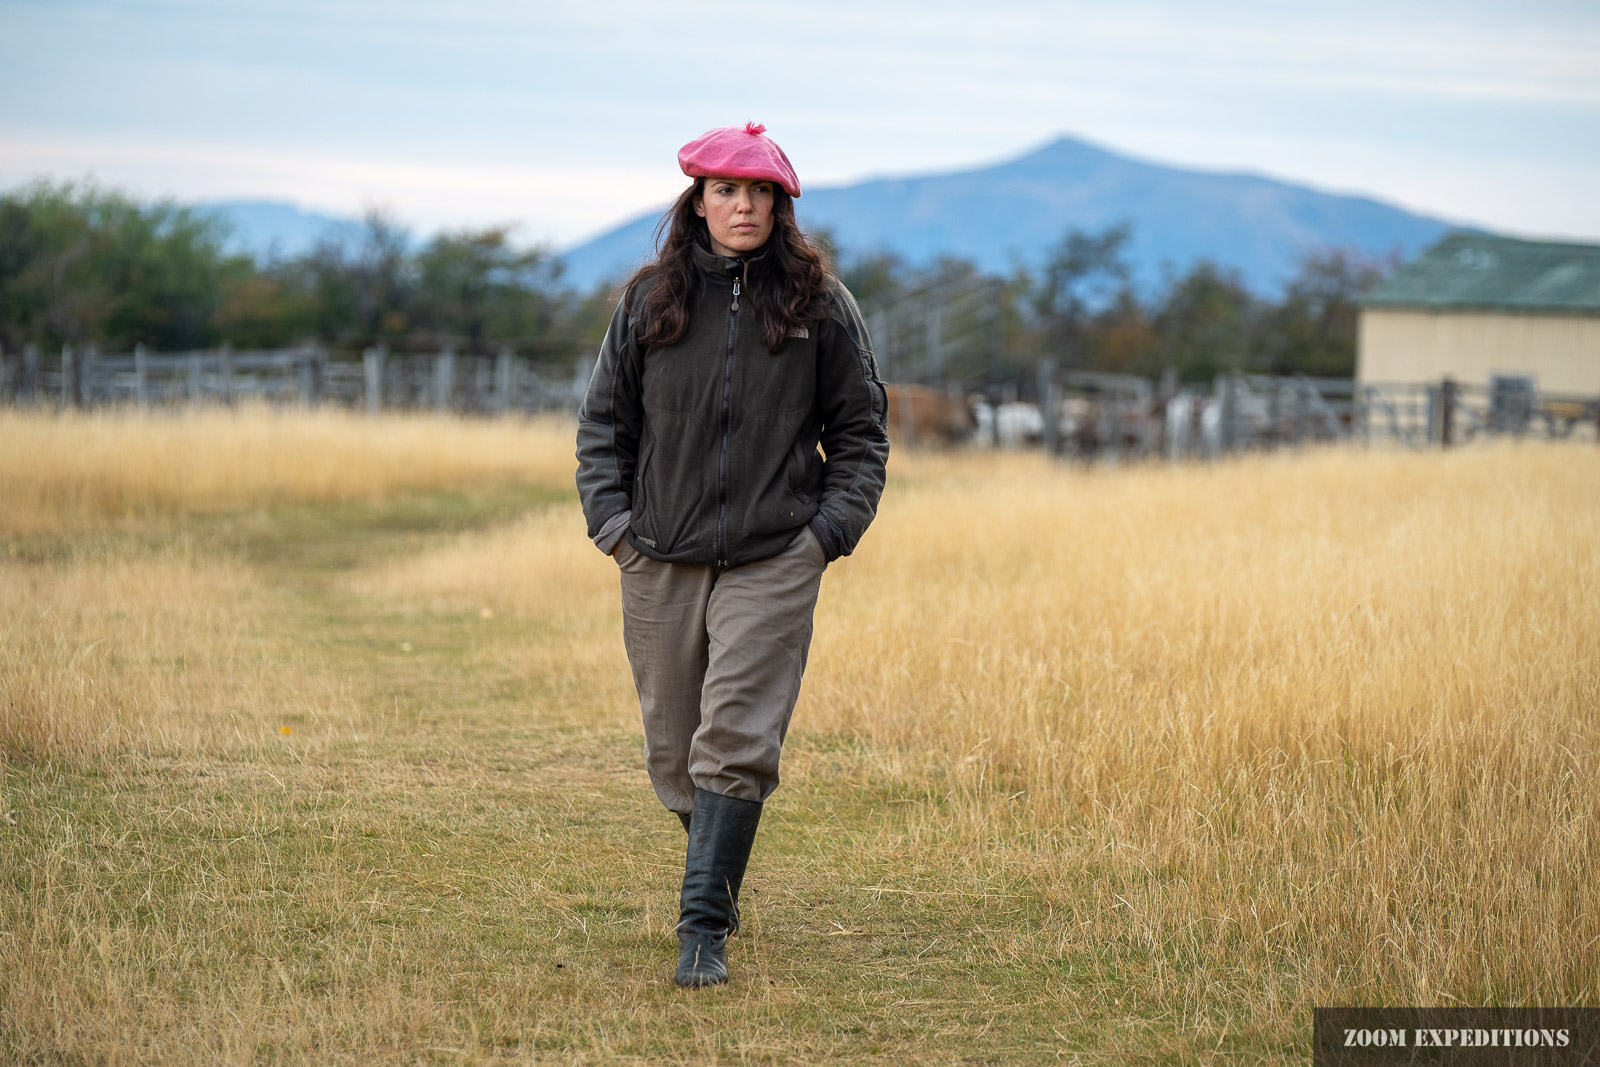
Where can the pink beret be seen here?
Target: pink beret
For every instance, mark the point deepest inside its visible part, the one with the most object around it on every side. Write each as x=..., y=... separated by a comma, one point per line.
x=738, y=152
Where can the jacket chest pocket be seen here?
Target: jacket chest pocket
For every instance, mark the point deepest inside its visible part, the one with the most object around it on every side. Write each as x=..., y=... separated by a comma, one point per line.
x=783, y=382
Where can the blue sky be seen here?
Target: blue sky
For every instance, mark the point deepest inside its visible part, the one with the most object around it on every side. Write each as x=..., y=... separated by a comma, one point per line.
x=566, y=118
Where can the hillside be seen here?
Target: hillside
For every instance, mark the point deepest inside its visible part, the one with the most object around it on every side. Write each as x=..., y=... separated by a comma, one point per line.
x=1016, y=210
x=269, y=229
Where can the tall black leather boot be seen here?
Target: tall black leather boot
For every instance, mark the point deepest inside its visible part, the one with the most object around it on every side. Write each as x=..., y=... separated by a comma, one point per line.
x=735, y=927
x=720, y=835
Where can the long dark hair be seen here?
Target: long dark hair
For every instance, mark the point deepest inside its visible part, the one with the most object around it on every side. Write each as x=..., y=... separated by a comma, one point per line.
x=788, y=279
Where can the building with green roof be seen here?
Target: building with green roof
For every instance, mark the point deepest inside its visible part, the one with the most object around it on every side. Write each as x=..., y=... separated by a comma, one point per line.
x=1474, y=307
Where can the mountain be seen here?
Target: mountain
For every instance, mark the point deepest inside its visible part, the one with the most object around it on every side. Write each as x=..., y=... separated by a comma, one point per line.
x=1015, y=211
x=269, y=229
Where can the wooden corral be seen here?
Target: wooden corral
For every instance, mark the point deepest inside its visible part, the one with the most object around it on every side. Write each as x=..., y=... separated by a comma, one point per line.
x=304, y=376
x=922, y=416
x=1112, y=417
x=1091, y=416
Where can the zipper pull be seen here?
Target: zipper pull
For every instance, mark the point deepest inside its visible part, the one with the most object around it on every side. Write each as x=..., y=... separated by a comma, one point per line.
x=736, y=294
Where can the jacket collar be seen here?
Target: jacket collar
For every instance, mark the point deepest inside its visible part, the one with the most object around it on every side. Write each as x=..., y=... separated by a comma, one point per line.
x=726, y=266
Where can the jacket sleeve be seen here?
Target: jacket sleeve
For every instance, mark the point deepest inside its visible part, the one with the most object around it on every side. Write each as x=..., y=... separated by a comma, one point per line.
x=609, y=424
x=855, y=428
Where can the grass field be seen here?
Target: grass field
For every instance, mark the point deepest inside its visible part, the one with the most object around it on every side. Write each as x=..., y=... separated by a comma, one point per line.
x=319, y=746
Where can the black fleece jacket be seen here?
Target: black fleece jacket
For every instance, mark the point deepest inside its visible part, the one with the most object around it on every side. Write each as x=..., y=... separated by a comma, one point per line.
x=712, y=443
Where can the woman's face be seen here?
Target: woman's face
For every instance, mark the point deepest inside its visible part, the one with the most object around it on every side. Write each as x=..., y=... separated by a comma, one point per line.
x=738, y=212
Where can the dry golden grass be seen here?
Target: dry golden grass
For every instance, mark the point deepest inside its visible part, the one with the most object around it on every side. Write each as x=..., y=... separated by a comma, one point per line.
x=542, y=571
x=534, y=567
x=1329, y=719
x=77, y=470
x=100, y=654
x=112, y=651
x=1138, y=764
x=106, y=643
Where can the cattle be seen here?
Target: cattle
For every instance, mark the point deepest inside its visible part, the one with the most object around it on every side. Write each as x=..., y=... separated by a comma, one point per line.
x=1015, y=424
x=920, y=415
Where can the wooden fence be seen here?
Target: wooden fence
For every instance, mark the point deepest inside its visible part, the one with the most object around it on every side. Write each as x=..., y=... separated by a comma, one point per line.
x=941, y=332
x=1104, y=416
x=1109, y=416
x=305, y=376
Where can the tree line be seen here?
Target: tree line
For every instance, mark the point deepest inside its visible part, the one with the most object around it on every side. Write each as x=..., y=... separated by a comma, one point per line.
x=84, y=265
x=1081, y=306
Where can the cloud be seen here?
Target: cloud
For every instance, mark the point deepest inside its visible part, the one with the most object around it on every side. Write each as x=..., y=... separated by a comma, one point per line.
x=485, y=109
x=556, y=203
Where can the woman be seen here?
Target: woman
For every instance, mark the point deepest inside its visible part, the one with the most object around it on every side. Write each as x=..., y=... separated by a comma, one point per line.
x=728, y=361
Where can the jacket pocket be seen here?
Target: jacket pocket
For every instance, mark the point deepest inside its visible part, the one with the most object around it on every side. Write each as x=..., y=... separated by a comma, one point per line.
x=799, y=465
x=641, y=481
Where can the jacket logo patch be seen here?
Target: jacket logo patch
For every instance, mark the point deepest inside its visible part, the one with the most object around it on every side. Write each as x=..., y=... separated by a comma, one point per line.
x=799, y=331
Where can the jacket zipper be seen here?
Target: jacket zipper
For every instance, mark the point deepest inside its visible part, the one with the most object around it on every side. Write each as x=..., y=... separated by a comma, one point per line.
x=727, y=408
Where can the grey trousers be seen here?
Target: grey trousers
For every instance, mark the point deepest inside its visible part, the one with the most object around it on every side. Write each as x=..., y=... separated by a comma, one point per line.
x=717, y=656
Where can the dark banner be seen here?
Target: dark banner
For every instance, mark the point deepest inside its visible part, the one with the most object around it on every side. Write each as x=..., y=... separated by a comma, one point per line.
x=1456, y=1037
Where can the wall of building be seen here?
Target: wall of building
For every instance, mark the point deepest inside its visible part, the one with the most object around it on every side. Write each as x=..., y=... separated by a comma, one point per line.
x=1562, y=352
